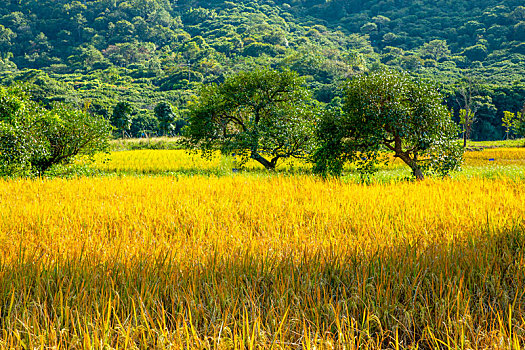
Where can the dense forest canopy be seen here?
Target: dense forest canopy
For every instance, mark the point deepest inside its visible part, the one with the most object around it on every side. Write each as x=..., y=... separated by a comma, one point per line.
x=148, y=51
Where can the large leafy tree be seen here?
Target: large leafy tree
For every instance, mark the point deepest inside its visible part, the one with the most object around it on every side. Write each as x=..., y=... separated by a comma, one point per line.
x=389, y=111
x=265, y=115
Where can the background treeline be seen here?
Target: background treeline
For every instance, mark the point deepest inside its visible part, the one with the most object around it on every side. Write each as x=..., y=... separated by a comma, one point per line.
x=144, y=52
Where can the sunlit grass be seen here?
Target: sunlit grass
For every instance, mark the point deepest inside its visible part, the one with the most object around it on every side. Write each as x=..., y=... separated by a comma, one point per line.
x=249, y=261
x=501, y=143
x=489, y=162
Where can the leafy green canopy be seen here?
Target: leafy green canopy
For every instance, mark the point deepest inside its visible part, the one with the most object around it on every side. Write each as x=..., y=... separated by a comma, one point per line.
x=166, y=115
x=265, y=115
x=33, y=139
x=122, y=118
x=388, y=111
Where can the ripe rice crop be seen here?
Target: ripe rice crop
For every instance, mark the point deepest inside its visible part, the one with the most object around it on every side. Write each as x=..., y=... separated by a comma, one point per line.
x=161, y=161
x=252, y=261
x=154, y=161
x=488, y=163
x=496, y=156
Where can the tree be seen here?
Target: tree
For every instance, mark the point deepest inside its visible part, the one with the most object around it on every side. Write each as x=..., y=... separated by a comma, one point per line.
x=477, y=52
x=381, y=21
x=33, y=139
x=6, y=38
x=519, y=122
x=435, y=49
x=166, y=116
x=369, y=28
x=388, y=111
x=14, y=135
x=264, y=115
x=121, y=118
x=467, y=91
x=66, y=133
x=508, y=122
x=144, y=124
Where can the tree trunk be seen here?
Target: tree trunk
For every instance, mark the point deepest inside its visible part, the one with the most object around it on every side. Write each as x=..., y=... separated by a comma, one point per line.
x=418, y=173
x=268, y=165
x=412, y=163
x=464, y=139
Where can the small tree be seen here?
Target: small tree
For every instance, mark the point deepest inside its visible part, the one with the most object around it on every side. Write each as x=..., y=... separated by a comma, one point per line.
x=265, y=115
x=508, y=122
x=16, y=142
x=435, y=49
x=166, y=116
x=67, y=133
x=32, y=138
x=519, y=123
x=388, y=111
x=467, y=91
x=121, y=118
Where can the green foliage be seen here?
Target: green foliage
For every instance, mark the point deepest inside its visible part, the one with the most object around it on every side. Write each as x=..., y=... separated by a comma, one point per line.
x=33, y=139
x=387, y=111
x=144, y=124
x=66, y=133
x=145, y=51
x=518, y=125
x=509, y=122
x=258, y=114
x=166, y=115
x=121, y=118
x=15, y=142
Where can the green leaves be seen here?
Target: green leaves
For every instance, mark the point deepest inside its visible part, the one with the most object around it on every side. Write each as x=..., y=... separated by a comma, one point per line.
x=263, y=114
x=388, y=111
x=166, y=115
x=121, y=118
x=32, y=139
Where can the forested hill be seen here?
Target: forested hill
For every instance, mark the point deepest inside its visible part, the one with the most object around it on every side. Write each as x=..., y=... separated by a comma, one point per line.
x=411, y=23
x=145, y=51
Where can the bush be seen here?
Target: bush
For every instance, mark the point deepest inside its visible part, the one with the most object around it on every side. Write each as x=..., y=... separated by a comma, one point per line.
x=33, y=139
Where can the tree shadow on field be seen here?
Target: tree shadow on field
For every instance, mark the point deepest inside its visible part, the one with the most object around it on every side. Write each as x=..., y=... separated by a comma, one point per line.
x=434, y=295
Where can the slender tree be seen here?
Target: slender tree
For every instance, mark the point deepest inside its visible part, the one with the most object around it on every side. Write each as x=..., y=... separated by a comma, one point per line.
x=166, y=116
x=467, y=91
x=121, y=118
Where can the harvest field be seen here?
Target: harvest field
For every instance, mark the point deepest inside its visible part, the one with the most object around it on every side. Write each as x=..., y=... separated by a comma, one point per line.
x=199, y=258
x=490, y=162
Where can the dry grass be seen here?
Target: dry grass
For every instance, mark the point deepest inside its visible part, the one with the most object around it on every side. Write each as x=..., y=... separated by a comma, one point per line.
x=254, y=261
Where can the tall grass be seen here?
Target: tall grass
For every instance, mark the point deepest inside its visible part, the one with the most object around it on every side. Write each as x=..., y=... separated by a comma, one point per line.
x=245, y=262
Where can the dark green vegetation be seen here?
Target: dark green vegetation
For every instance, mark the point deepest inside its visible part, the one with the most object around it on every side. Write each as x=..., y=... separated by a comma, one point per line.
x=33, y=139
x=146, y=52
x=388, y=111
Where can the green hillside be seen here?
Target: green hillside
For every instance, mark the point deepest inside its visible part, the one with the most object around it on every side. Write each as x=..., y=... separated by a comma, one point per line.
x=147, y=51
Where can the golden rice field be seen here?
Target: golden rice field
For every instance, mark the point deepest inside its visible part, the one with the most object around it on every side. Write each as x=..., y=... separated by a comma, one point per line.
x=158, y=161
x=166, y=161
x=256, y=261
